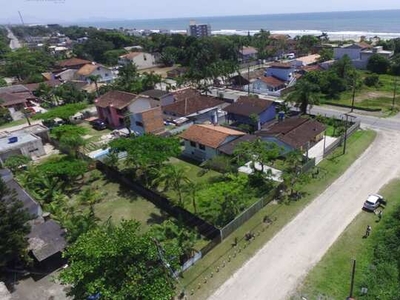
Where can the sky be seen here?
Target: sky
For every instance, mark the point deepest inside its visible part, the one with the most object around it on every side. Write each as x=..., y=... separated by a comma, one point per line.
x=44, y=11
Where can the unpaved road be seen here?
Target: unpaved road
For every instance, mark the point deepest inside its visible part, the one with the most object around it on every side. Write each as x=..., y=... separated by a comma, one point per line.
x=278, y=268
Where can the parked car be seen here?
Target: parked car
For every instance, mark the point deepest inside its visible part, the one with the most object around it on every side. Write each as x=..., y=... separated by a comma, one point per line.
x=98, y=124
x=53, y=123
x=373, y=202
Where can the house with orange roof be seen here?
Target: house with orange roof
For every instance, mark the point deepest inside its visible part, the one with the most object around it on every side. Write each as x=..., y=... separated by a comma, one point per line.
x=142, y=60
x=202, y=141
x=105, y=74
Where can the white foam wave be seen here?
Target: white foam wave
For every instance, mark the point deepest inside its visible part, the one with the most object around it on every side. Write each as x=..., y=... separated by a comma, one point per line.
x=335, y=35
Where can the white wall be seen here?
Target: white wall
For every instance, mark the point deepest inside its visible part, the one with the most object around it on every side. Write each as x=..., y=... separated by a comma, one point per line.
x=283, y=74
x=139, y=105
x=338, y=53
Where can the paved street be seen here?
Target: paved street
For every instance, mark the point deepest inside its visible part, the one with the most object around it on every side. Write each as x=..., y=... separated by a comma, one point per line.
x=384, y=123
x=278, y=268
x=14, y=43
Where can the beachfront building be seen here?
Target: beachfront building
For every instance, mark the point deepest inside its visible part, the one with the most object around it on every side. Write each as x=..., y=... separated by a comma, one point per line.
x=199, y=30
x=360, y=53
x=142, y=60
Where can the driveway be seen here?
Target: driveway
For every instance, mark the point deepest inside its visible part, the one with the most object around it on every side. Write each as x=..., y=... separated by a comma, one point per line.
x=280, y=266
x=317, y=151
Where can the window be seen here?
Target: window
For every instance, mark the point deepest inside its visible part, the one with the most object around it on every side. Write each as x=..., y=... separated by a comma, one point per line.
x=193, y=144
x=202, y=147
x=106, y=74
x=144, y=57
x=140, y=124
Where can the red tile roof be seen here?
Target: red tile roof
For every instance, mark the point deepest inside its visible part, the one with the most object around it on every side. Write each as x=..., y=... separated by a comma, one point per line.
x=295, y=132
x=281, y=66
x=272, y=81
x=8, y=99
x=209, y=135
x=247, y=106
x=73, y=62
x=116, y=98
x=190, y=101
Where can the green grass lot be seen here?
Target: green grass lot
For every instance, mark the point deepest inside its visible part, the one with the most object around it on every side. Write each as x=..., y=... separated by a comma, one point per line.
x=281, y=213
x=330, y=279
x=94, y=136
x=14, y=123
x=373, y=97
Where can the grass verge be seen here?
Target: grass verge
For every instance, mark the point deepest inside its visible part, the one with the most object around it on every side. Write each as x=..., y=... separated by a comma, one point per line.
x=330, y=278
x=224, y=260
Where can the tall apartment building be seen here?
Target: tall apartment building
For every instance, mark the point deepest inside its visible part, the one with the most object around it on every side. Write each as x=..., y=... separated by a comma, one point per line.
x=199, y=30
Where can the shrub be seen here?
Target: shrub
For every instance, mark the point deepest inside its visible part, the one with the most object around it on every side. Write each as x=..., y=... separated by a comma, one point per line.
x=371, y=80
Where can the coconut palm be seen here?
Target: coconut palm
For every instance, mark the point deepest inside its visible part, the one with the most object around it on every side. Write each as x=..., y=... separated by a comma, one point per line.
x=95, y=79
x=304, y=95
x=191, y=189
x=174, y=178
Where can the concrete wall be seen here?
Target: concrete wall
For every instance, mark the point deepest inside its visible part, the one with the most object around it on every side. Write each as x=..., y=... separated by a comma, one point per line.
x=105, y=74
x=282, y=74
x=139, y=105
x=197, y=153
x=338, y=53
x=142, y=61
x=167, y=99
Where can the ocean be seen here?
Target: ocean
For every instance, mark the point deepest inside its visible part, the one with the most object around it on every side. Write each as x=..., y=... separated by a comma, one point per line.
x=338, y=25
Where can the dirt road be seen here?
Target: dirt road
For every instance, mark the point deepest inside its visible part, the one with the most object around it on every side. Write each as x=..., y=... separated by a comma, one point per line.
x=277, y=269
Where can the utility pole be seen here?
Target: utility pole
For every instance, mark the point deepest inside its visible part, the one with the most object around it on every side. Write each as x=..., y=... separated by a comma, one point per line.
x=394, y=93
x=354, y=95
x=352, y=279
x=345, y=134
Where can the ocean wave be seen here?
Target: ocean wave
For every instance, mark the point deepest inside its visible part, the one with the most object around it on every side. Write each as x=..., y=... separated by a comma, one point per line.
x=342, y=35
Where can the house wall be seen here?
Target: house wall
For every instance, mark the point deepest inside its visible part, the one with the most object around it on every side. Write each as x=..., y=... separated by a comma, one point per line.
x=31, y=149
x=260, y=87
x=198, y=154
x=104, y=73
x=285, y=148
x=282, y=74
x=167, y=99
x=136, y=119
x=144, y=61
x=339, y=52
x=264, y=117
x=139, y=105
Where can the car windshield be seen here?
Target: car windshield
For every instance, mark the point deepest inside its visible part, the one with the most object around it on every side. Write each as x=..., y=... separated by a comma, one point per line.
x=370, y=203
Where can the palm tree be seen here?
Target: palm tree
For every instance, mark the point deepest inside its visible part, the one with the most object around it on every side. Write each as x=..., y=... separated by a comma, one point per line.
x=173, y=177
x=305, y=94
x=95, y=79
x=191, y=189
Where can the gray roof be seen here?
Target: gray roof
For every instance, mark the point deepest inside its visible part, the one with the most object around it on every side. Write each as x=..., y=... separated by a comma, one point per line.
x=18, y=88
x=156, y=94
x=46, y=239
x=29, y=203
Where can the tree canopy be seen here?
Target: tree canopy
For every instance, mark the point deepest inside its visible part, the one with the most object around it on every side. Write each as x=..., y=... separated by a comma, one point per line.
x=13, y=227
x=378, y=64
x=63, y=112
x=120, y=263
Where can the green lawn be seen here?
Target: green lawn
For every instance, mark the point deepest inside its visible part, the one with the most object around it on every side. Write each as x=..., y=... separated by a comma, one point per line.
x=194, y=172
x=14, y=123
x=372, y=97
x=281, y=214
x=331, y=277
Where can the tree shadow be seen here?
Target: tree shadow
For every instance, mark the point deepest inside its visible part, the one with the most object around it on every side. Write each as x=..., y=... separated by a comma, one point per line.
x=157, y=218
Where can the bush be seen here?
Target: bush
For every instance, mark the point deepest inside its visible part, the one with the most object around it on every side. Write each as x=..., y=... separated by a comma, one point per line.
x=371, y=80
x=14, y=162
x=220, y=164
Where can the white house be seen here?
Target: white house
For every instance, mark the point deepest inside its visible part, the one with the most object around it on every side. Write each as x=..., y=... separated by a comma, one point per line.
x=305, y=61
x=94, y=69
x=284, y=72
x=360, y=53
x=269, y=85
x=202, y=141
x=142, y=60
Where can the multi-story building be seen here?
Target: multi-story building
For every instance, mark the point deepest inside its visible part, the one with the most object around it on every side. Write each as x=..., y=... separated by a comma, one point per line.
x=199, y=30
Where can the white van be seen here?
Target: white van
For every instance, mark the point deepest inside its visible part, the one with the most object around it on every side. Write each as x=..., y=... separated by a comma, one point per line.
x=290, y=56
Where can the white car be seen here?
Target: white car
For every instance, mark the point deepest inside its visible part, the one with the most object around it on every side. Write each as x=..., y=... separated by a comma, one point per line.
x=373, y=202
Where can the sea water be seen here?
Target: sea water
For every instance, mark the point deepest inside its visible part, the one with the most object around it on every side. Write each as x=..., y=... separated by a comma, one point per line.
x=338, y=25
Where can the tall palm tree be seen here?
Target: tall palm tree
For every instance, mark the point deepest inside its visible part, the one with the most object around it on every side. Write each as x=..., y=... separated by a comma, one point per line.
x=304, y=95
x=95, y=79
